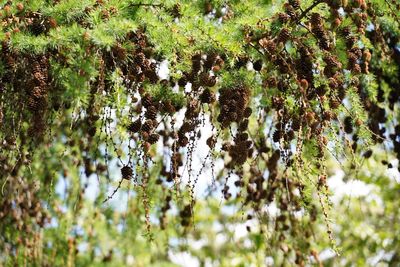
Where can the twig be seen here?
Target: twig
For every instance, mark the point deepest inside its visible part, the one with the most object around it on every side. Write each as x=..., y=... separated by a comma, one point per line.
x=304, y=13
x=114, y=192
x=253, y=46
x=148, y=5
x=393, y=12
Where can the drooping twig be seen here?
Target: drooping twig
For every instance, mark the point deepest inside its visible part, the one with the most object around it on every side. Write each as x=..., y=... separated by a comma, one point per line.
x=114, y=192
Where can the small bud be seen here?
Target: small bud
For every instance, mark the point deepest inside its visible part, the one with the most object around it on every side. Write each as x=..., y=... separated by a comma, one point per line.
x=7, y=9
x=207, y=7
x=324, y=140
x=20, y=7
x=310, y=116
x=336, y=22
x=53, y=23
x=304, y=84
x=86, y=36
x=216, y=68
x=367, y=55
x=146, y=147
x=356, y=3
x=363, y=5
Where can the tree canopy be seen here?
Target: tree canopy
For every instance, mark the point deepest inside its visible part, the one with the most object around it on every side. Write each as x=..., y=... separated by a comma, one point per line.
x=220, y=132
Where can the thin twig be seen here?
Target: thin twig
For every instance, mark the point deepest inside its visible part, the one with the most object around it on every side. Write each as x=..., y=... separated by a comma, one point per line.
x=148, y=5
x=304, y=13
x=114, y=192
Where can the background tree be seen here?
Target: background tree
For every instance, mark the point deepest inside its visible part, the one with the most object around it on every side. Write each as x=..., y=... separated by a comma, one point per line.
x=138, y=133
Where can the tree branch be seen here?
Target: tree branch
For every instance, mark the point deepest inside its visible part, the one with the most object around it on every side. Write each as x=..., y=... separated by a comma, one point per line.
x=144, y=4
x=304, y=13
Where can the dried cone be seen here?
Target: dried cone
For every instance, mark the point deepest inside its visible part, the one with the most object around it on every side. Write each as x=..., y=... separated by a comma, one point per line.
x=207, y=96
x=290, y=10
x=147, y=126
x=247, y=112
x=211, y=142
x=126, y=172
x=183, y=141
x=140, y=59
x=348, y=125
x=295, y=4
x=284, y=35
x=147, y=101
x=334, y=103
x=257, y=66
x=153, y=138
x=283, y=17
x=233, y=102
x=151, y=113
x=135, y=126
x=182, y=81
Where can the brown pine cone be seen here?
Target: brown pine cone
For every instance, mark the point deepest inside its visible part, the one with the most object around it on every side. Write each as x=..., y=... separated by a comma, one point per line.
x=126, y=172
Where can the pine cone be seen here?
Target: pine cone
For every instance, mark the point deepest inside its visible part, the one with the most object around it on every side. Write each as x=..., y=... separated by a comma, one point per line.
x=182, y=81
x=152, y=76
x=37, y=27
x=268, y=45
x=210, y=61
x=153, y=138
x=348, y=125
x=276, y=136
x=135, y=126
x=147, y=126
x=147, y=100
x=284, y=35
x=183, y=141
x=296, y=123
x=316, y=20
x=350, y=41
x=295, y=4
x=247, y=112
x=211, y=142
x=151, y=113
x=257, y=66
x=283, y=17
x=140, y=59
x=196, y=63
x=206, y=79
x=126, y=172
x=243, y=125
x=207, y=96
x=290, y=11
x=319, y=32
